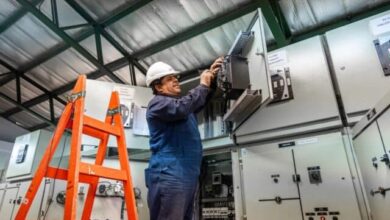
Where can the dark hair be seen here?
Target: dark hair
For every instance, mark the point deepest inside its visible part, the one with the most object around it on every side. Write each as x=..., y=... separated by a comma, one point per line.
x=154, y=84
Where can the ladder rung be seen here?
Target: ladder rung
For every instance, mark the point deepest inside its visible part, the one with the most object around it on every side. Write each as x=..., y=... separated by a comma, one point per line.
x=92, y=132
x=62, y=174
x=101, y=126
x=100, y=171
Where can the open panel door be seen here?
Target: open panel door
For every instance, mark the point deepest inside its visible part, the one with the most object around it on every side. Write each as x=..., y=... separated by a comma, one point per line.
x=248, y=73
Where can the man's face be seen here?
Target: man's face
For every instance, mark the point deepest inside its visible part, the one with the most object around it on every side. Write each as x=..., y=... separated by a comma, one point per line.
x=169, y=85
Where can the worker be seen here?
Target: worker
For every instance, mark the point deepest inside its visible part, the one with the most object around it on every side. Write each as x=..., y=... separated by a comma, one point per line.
x=174, y=166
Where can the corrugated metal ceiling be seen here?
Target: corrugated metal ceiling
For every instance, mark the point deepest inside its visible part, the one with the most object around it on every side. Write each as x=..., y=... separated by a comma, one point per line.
x=27, y=40
x=6, y=9
x=162, y=19
x=304, y=15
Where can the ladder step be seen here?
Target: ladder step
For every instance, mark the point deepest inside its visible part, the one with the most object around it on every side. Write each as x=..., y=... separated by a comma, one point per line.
x=62, y=174
x=101, y=126
x=93, y=132
x=100, y=171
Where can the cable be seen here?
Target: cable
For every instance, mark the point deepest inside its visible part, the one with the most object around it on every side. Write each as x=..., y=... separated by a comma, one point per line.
x=47, y=166
x=123, y=208
x=54, y=182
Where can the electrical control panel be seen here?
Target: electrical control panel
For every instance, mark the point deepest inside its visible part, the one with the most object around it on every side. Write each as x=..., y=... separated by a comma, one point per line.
x=28, y=151
x=244, y=77
x=22, y=152
x=383, y=51
x=360, y=57
x=133, y=102
x=281, y=84
x=371, y=144
x=232, y=82
x=296, y=179
x=217, y=197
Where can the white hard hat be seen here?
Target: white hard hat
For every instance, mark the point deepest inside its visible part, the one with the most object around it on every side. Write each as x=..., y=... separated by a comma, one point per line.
x=157, y=71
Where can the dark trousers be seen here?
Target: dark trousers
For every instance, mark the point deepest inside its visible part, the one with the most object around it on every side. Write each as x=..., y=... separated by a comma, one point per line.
x=170, y=199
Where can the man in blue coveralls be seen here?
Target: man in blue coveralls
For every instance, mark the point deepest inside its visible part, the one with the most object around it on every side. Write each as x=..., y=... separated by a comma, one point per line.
x=174, y=167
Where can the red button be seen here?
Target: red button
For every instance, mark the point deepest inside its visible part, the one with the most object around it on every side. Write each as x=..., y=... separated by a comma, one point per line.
x=322, y=218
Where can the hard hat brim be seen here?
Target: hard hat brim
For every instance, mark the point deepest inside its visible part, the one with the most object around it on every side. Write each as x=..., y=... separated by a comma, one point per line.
x=161, y=75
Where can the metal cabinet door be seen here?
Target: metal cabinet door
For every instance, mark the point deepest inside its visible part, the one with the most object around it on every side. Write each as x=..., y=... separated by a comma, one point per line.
x=326, y=180
x=8, y=206
x=2, y=194
x=261, y=165
x=56, y=210
x=353, y=58
x=39, y=202
x=384, y=129
x=368, y=145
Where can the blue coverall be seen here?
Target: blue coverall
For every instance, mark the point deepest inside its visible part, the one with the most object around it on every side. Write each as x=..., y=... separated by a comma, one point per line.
x=174, y=166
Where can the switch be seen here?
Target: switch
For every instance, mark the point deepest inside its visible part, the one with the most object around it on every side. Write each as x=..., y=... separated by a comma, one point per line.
x=382, y=191
x=296, y=178
x=314, y=175
x=385, y=159
x=278, y=199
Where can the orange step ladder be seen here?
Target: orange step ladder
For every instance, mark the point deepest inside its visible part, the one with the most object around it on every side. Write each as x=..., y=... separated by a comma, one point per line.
x=73, y=118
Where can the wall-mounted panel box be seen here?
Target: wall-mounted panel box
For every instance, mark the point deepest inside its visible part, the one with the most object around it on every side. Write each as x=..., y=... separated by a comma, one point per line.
x=134, y=100
x=28, y=151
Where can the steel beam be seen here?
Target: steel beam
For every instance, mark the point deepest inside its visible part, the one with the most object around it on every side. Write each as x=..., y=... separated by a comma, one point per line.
x=51, y=106
x=65, y=37
x=16, y=74
x=54, y=12
x=7, y=65
x=132, y=75
x=196, y=30
x=18, y=90
x=4, y=96
x=27, y=104
x=339, y=23
x=100, y=29
x=281, y=18
x=113, y=66
x=132, y=8
x=75, y=26
x=273, y=23
x=43, y=89
x=64, y=46
x=99, y=49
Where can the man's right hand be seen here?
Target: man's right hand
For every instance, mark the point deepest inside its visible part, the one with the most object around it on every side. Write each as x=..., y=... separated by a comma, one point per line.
x=206, y=77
